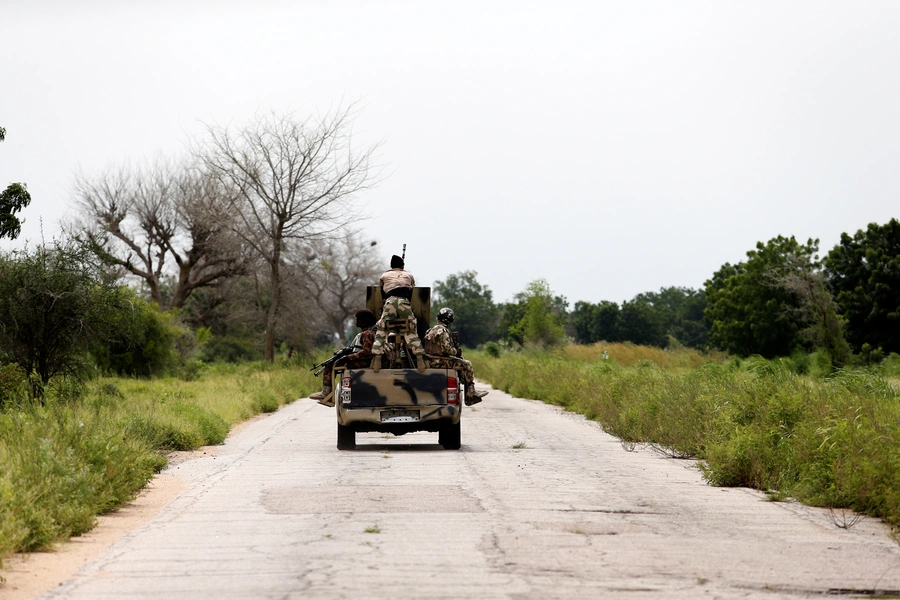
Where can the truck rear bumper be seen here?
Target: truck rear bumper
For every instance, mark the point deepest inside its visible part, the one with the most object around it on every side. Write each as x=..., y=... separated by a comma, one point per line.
x=399, y=419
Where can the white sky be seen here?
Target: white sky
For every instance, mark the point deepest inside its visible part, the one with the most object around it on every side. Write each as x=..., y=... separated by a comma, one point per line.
x=610, y=147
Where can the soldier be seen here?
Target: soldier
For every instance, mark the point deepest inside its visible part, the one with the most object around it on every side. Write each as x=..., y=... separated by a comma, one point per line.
x=396, y=289
x=365, y=320
x=440, y=346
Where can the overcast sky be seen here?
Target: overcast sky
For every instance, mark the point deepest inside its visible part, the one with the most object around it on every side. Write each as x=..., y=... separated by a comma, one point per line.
x=611, y=148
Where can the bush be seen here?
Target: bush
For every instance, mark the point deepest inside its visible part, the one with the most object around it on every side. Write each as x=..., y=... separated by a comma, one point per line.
x=890, y=366
x=13, y=385
x=230, y=349
x=143, y=344
x=57, y=303
x=492, y=349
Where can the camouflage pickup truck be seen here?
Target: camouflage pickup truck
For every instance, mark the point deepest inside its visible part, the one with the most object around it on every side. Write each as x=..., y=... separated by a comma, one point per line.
x=398, y=399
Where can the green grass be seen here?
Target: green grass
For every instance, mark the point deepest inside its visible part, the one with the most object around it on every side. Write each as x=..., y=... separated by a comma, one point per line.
x=827, y=441
x=85, y=454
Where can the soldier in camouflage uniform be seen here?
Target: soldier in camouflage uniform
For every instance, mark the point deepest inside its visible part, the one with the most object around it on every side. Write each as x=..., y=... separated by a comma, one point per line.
x=396, y=289
x=441, y=349
x=365, y=320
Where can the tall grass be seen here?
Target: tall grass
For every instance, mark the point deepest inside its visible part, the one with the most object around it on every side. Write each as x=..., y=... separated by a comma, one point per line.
x=832, y=441
x=65, y=462
x=628, y=355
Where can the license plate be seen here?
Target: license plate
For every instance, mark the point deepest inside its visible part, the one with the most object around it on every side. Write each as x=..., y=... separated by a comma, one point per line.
x=399, y=416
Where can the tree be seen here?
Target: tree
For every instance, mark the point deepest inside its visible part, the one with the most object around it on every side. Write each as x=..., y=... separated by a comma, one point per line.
x=290, y=181
x=595, y=322
x=511, y=314
x=689, y=326
x=816, y=308
x=233, y=316
x=747, y=313
x=12, y=200
x=678, y=314
x=864, y=273
x=543, y=316
x=337, y=274
x=168, y=225
x=639, y=323
x=652, y=318
x=475, y=314
x=57, y=303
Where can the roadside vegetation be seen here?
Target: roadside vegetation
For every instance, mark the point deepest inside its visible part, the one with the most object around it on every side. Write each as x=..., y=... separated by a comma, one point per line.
x=88, y=449
x=793, y=428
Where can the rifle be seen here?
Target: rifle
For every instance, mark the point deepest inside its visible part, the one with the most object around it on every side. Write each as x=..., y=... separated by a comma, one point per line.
x=338, y=355
x=455, y=336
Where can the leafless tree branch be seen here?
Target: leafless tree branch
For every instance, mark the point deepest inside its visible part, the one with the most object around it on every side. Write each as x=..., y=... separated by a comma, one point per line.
x=289, y=181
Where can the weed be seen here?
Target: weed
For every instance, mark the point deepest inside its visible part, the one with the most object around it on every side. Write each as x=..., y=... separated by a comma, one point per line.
x=520, y=446
x=843, y=518
x=372, y=529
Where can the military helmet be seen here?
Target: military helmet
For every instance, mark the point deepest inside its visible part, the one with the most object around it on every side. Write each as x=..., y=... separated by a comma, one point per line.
x=445, y=316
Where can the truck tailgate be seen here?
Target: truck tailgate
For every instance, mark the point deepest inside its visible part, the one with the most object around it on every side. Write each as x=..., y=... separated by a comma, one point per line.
x=397, y=387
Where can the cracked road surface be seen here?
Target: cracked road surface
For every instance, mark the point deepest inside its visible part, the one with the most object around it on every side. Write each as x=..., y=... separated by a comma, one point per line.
x=538, y=504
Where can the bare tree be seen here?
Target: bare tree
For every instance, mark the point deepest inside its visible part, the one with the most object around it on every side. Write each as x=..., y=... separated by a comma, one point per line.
x=164, y=224
x=291, y=181
x=339, y=271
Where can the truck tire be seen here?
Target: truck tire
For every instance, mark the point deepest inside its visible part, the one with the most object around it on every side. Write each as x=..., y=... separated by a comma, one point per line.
x=450, y=437
x=346, y=438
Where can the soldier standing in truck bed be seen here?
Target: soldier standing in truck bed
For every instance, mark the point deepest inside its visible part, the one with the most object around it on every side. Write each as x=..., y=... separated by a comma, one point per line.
x=396, y=289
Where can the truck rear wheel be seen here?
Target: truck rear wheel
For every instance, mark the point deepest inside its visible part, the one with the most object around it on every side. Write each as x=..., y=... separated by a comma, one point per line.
x=346, y=438
x=450, y=437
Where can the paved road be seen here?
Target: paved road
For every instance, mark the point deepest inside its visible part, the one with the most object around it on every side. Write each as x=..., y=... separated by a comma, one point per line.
x=538, y=504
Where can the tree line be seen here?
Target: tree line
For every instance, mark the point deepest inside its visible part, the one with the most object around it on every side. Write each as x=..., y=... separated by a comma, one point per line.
x=782, y=299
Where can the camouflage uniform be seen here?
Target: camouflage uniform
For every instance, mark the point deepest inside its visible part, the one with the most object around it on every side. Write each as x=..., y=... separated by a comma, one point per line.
x=439, y=344
x=397, y=307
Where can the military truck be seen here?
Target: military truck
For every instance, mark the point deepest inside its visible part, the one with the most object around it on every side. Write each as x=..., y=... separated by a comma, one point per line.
x=398, y=399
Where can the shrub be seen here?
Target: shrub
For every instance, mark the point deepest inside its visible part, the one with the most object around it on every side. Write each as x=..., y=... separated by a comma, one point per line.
x=143, y=344
x=13, y=385
x=492, y=349
x=57, y=303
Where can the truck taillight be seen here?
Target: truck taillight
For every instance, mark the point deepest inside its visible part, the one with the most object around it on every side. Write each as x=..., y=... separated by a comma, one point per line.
x=452, y=391
x=345, y=389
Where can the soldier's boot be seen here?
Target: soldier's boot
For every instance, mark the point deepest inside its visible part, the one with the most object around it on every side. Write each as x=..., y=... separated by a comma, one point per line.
x=420, y=363
x=376, y=363
x=474, y=396
x=320, y=396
